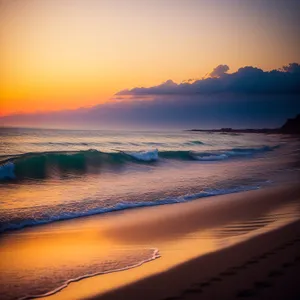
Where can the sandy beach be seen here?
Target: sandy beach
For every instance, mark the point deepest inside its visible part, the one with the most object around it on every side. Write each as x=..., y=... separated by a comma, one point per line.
x=264, y=267
x=236, y=245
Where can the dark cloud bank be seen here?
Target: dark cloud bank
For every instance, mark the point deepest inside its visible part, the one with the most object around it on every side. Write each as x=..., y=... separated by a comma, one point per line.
x=247, y=80
x=249, y=97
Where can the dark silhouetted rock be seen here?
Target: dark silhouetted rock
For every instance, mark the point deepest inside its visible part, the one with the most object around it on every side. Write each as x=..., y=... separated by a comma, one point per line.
x=291, y=126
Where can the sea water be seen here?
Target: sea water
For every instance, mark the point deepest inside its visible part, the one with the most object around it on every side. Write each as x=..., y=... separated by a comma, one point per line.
x=52, y=175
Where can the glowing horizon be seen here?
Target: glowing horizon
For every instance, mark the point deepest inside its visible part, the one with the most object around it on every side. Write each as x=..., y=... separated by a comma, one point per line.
x=66, y=54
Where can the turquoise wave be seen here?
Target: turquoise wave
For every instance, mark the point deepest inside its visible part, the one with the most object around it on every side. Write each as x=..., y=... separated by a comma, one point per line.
x=39, y=165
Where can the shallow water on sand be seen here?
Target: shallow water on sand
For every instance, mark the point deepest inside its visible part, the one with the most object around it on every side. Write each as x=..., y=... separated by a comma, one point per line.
x=72, y=250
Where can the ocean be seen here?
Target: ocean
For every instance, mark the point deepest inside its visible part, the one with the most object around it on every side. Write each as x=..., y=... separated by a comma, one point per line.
x=47, y=176
x=50, y=175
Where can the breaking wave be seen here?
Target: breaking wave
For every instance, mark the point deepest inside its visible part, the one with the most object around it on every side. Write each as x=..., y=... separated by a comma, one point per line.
x=10, y=223
x=44, y=282
x=40, y=164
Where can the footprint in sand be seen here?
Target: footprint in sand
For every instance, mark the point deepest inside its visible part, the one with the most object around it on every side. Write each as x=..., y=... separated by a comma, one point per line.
x=264, y=256
x=251, y=262
x=242, y=267
x=173, y=298
x=287, y=265
x=227, y=273
x=269, y=253
x=193, y=290
x=215, y=279
x=280, y=248
x=290, y=243
x=205, y=283
x=246, y=293
x=297, y=259
x=275, y=273
x=262, y=284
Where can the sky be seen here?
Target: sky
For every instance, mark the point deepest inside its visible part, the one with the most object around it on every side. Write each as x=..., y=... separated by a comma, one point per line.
x=59, y=55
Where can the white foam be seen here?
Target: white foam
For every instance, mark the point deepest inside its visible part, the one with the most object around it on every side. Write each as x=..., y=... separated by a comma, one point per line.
x=151, y=155
x=124, y=205
x=89, y=271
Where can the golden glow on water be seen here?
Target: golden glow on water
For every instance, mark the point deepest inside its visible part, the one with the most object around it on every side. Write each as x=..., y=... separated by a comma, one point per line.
x=34, y=263
x=64, y=250
x=54, y=249
x=172, y=253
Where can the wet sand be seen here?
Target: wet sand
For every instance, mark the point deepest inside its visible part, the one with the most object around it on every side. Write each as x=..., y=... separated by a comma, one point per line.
x=264, y=267
x=216, y=248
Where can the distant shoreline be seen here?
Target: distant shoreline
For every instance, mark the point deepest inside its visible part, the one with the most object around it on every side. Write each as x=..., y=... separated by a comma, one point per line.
x=230, y=130
x=291, y=126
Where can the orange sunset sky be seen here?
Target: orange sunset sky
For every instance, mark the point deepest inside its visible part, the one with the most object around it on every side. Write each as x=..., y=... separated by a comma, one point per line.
x=66, y=54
